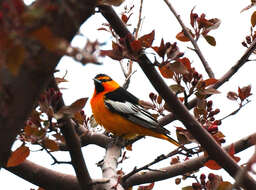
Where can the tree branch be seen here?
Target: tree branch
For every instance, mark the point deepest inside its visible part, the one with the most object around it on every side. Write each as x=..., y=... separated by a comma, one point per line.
x=170, y=117
x=109, y=167
x=44, y=177
x=184, y=167
x=21, y=91
x=187, y=33
x=73, y=143
x=181, y=112
x=88, y=137
x=50, y=179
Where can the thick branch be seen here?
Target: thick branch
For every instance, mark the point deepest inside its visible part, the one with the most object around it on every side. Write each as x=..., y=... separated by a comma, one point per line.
x=88, y=137
x=73, y=143
x=44, y=177
x=21, y=91
x=50, y=179
x=181, y=112
x=184, y=167
x=109, y=167
x=187, y=33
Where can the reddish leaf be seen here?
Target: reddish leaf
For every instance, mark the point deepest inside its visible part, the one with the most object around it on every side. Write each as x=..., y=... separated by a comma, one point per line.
x=165, y=71
x=161, y=49
x=75, y=107
x=232, y=95
x=212, y=165
x=29, y=130
x=203, y=22
x=253, y=19
x=182, y=37
x=232, y=152
x=210, y=81
x=178, y=68
x=186, y=62
x=59, y=137
x=210, y=39
x=18, y=156
x=244, y=92
x=159, y=99
x=50, y=144
x=136, y=46
x=193, y=17
x=176, y=88
x=218, y=136
x=146, y=187
x=124, y=18
x=215, y=24
x=147, y=40
x=116, y=53
x=80, y=118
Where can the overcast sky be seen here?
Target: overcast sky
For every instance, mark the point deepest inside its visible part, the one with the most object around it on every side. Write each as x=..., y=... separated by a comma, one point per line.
x=232, y=31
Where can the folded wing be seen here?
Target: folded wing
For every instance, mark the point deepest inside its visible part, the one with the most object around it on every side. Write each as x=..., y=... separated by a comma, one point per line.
x=124, y=103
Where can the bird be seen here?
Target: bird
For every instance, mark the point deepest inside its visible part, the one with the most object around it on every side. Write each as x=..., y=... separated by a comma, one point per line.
x=121, y=114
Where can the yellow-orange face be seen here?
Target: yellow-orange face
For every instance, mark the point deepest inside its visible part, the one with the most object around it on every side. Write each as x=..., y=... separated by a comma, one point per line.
x=104, y=83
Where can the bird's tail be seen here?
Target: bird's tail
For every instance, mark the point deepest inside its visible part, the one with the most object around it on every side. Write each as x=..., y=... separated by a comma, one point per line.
x=170, y=139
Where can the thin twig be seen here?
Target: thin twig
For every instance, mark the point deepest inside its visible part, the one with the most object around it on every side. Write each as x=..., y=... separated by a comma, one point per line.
x=235, y=111
x=158, y=159
x=187, y=33
x=244, y=58
x=139, y=21
x=186, y=166
x=55, y=161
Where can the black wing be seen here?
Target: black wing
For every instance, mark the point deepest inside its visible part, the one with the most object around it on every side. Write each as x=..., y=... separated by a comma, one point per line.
x=124, y=103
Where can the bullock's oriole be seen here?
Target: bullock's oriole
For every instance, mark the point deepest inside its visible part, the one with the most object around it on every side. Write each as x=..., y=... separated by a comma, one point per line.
x=119, y=112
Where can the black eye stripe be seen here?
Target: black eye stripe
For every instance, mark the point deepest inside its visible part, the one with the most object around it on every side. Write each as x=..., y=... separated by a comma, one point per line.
x=105, y=80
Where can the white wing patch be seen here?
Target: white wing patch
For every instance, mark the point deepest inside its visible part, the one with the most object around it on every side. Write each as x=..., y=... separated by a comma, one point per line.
x=132, y=112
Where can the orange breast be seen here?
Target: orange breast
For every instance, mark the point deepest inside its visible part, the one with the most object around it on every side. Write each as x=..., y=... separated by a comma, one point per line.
x=117, y=124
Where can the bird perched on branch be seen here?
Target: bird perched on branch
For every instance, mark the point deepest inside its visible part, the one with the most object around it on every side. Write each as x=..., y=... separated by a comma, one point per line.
x=120, y=113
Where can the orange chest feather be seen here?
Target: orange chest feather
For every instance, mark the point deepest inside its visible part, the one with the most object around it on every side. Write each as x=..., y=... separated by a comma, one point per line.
x=112, y=122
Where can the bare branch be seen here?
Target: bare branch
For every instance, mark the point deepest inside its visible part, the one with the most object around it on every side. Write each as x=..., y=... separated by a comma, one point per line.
x=24, y=88
x=187, y=33
x=88, y=137
x=44, y=177
x=184, y=167
x=158, y=159
x=109, y=167
x=47, y=178
x=139, y=20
